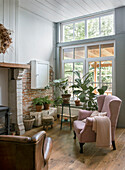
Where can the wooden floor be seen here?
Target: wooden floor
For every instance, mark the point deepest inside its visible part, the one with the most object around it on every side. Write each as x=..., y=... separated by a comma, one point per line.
x=66, y=156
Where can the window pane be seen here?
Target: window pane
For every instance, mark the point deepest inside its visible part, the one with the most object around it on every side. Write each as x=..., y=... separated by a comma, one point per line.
x=93, y=27
x=68, y=53
x=78, y=67
x=80, y=30
x=94, y=68
x=107, y=50
x=68, y=32
x=106, y=75
x=79, y=52
x=93, y=51
x=68, y=71
x=107, y=25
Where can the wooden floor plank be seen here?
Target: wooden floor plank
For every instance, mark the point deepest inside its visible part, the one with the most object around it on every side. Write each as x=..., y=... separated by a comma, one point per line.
x=65, y=154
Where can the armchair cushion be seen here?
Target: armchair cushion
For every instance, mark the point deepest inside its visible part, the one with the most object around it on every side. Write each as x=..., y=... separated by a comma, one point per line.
x=83, y=114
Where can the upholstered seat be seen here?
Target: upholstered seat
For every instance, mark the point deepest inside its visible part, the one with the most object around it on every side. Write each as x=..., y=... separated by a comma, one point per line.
x=25, y=153
x=83, y=130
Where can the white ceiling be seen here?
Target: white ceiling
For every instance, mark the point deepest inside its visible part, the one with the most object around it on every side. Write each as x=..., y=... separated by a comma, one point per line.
x=59, y=10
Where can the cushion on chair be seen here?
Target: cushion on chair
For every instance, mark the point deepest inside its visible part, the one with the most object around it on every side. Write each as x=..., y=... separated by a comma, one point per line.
x=83, y=114
x=105, y=107
x=78, y=126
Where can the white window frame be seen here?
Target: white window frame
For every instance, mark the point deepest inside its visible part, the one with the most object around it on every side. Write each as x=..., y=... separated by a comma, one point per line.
x=72, y=60
x=86, y=60
x=85, y=20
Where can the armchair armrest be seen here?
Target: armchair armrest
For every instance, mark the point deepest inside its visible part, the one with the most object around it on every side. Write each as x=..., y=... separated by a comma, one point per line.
x=89, y=122
x=18, y=139
x=38, y=136
x=83, y=114
x=47, y=148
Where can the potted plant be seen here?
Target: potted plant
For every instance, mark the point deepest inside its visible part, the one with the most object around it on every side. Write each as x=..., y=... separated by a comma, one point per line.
x=60, y=89
x=77, y=101
x=85, y=91
x=102, y=90
x=65, y=95
x=46, y=102
x=38, y=103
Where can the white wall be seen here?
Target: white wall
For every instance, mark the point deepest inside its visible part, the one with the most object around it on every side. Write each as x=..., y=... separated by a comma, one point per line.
x=4, y=86
x=35, y=39
x=32, y=38
x=32, y=35
x=8, y=19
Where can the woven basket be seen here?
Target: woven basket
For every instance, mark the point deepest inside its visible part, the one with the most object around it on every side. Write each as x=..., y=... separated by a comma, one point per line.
x=28, y=122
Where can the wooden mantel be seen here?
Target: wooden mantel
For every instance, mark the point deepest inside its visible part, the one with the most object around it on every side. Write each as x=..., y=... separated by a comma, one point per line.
x=14, y=65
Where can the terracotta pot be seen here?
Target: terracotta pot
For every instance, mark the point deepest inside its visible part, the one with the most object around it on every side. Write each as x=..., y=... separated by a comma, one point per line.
x=38, y=108
x=77, y=102
x=66, y=98
x=46, y=106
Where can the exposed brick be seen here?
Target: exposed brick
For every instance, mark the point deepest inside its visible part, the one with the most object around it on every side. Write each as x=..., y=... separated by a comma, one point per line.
x=29, y=94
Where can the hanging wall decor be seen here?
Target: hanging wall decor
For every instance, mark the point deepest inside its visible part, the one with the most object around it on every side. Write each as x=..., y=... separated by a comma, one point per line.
x=5, y=39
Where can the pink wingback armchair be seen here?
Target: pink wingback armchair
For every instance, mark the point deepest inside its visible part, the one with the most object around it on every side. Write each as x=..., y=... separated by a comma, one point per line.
x=83, y=131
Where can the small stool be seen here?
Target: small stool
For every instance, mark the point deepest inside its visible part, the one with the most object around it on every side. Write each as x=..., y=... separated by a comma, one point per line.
x=46, y=121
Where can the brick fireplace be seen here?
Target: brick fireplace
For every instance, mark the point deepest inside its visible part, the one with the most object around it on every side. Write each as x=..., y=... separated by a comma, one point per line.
x=15, y=74
x=20, y=94
x=15, y=99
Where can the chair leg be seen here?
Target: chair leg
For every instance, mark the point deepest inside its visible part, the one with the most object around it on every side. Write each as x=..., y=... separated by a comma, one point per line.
x=113, y=144
x=81, y=147
x=74, y=135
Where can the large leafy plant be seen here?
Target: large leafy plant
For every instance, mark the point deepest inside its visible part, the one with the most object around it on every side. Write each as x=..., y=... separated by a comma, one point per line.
x=37, y=101
x=46, y=100
x=60, y=87
x=85, y=91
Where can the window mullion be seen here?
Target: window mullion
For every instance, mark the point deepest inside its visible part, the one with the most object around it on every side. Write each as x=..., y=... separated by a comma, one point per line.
x=85, y=29
x=73, y=63
x=100, y=74
x=73, y=31
x=99, y=26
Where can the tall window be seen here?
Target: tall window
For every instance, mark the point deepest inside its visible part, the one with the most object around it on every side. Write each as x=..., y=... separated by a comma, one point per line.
x=73, y=59
x=88, y=28
x=98, y=59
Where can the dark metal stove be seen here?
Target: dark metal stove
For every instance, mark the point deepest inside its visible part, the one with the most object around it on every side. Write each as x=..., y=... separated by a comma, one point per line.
x=4, y=120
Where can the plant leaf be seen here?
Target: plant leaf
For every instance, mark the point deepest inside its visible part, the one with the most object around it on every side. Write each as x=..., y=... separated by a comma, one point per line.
x=77, y=73
x=76, y=92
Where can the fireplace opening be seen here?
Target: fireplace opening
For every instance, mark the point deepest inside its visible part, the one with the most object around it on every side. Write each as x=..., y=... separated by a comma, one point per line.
x=4, y=120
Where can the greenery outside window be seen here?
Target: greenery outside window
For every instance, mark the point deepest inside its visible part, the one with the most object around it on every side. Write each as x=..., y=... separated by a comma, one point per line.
x=91, y=27
x=96, y=58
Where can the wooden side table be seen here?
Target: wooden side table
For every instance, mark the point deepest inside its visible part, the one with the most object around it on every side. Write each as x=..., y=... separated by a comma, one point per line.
x=69, y=120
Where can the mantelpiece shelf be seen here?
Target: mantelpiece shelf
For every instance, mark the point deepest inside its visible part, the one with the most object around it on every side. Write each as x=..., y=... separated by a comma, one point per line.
x=14, y=65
